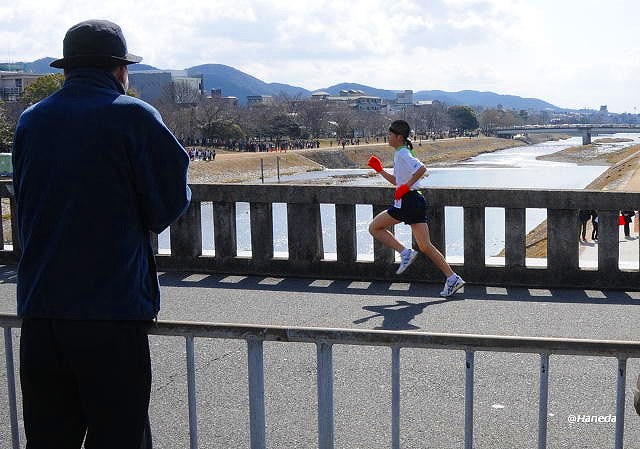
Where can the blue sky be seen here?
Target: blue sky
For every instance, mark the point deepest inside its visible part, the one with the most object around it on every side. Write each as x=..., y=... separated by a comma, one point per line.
x=571, y=53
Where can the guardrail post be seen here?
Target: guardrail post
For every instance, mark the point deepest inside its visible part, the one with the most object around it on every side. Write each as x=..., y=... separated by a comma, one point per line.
x=11, y=386
x=325, y=396
x=620, y=402
x=395, y=397
x=543, y=401
x=15, y=240
x=468, y=401
x=255, y=363
x=191, y=392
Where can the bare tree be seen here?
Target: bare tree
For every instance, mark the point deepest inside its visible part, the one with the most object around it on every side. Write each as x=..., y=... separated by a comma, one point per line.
x=288, y=103
x=345, y=119
x=217, y=119
x=434, y=117
x=313, y=115
x=257, y=119
x=490, y=118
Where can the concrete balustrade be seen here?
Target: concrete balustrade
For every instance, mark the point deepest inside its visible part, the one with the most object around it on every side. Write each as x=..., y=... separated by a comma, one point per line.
x=305, y=244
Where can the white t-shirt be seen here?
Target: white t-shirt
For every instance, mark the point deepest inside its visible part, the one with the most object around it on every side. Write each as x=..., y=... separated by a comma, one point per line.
x=404, y=167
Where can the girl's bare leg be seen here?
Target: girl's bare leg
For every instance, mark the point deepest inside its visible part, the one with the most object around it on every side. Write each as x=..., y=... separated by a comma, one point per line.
x=421, y=234
x=378, y=229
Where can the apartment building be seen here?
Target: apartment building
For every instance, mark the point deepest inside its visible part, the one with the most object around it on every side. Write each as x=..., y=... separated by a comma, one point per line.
x=12, y=84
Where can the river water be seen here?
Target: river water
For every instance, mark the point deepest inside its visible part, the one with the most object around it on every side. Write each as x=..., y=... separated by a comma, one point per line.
x=511, y=168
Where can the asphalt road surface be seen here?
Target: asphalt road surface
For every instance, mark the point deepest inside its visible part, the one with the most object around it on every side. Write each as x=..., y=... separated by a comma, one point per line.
x=432, y=381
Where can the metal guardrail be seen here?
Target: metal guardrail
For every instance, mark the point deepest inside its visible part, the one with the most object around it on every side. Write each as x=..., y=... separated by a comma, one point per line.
x=324, y=339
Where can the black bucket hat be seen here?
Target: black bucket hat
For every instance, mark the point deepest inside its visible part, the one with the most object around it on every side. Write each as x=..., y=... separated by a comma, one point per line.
x=94, y=43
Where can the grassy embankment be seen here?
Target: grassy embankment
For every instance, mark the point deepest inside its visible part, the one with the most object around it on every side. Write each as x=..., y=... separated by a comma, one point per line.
x=231, y=166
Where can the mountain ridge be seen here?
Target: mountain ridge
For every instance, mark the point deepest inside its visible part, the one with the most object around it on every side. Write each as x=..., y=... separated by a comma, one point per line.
x=236, y=83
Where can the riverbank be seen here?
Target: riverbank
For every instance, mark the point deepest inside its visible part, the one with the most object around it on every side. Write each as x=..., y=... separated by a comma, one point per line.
x=229, y=167
x=235, y=167
x=622, y=175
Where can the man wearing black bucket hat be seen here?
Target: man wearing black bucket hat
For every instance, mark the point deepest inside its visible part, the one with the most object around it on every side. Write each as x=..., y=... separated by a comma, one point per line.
x=94, y=172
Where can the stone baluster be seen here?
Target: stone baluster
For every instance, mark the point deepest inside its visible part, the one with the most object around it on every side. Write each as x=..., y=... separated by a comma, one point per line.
x=346, y=236
x=186, y=233
x=515, y=236
x=608, y=241
x=224, y=230
x=562, y=243
x=474, y=257
x=261, y=215
x=304, y=232
x=382, y=255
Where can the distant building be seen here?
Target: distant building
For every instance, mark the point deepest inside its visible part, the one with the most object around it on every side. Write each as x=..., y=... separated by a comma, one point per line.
x=405, y=97
x=154, y=85
x=355, y=99
x=259, y=99
x=368, y=103
x=216, y=96
x=604, y=109
x=12, y=84
x=320, y=95
x=230, y=101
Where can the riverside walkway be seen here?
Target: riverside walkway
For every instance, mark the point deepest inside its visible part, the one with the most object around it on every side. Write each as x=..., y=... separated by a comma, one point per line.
x=432, y=381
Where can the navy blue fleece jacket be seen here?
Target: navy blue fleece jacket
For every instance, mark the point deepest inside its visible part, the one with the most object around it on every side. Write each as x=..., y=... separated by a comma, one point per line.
x=94, y=172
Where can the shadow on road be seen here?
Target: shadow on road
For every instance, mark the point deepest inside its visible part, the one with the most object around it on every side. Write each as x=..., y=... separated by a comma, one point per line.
x=398, y=316
x=397, y=289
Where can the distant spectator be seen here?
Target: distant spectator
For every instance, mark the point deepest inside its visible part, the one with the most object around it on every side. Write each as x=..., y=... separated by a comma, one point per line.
x=583, y=216
x=627, y=216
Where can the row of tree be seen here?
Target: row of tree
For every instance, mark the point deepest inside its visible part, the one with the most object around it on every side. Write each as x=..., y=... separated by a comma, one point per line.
x=216, y=119
x=196, y=119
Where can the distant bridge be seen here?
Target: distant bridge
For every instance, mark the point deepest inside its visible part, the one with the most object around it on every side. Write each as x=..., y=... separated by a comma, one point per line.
x=584, y=130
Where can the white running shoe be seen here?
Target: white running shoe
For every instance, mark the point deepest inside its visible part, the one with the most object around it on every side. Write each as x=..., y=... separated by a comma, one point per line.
x=406, y=258
x=451, y=287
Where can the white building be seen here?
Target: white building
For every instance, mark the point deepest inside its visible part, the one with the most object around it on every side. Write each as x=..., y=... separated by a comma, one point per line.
x=155, y=84
x=12, y=84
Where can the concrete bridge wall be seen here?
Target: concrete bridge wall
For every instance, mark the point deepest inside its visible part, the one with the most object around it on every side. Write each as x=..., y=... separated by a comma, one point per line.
x=306, y=256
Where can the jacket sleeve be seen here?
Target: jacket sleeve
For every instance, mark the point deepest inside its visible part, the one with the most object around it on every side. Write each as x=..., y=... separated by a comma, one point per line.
x=160, y=166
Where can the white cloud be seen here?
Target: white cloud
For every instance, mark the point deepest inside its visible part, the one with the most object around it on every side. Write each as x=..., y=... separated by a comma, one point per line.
x=572, y=53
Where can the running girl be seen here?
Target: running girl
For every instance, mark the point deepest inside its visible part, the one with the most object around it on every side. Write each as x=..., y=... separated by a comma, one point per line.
x=409, y=207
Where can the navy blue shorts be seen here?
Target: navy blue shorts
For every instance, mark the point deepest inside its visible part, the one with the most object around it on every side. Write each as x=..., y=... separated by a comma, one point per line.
x=412, y=210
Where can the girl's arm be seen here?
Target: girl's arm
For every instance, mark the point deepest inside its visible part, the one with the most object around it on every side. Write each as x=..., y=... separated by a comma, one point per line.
x=417, y=175
x=389, y=177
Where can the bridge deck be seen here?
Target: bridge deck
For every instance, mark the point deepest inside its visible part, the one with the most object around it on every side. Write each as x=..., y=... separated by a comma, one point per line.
x=432, y=381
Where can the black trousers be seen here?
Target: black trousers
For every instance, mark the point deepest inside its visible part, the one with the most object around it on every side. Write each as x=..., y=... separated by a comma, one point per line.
x=85, y=381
